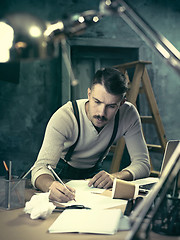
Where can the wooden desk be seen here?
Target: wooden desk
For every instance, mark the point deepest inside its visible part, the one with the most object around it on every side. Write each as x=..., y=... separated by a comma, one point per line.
x=16, y=225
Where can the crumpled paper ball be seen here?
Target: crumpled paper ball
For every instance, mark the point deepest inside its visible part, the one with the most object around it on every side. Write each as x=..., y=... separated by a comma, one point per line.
x=39, y=206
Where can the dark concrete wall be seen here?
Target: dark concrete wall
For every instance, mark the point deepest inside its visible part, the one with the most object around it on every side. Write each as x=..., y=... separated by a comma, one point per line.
x=27, y=104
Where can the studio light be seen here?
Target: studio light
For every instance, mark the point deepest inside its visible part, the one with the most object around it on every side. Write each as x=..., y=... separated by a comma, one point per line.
x=22, y=37
x=25, y=37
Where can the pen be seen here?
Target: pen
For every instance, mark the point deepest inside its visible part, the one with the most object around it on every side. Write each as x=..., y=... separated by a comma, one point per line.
x=10, y=170
x=24, y=175
x=58, y=178
x=60, y=209
x=9, y=185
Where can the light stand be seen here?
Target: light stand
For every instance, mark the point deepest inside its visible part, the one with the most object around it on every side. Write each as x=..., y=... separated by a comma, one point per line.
x=154, y=39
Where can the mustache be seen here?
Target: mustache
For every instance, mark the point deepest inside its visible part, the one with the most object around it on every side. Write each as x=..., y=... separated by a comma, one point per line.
x=101, y=118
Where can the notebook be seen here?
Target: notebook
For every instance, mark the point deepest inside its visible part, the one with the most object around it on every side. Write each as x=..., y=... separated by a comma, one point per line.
x=87, y=221
x=170, y=147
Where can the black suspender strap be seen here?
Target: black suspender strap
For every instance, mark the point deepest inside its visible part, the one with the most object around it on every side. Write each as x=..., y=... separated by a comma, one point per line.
x=71, y=149
x=116, y=123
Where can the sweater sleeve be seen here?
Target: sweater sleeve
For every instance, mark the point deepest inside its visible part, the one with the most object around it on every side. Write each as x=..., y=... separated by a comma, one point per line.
x=136, y=145
x=61, y=132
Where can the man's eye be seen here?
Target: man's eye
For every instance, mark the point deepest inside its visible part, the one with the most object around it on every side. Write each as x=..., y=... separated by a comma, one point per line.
x=111, y=106
x=97, y=102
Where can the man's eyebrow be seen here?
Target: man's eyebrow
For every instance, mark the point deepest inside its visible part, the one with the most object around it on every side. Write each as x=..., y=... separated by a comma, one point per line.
x=110, y=104
x=96, y=99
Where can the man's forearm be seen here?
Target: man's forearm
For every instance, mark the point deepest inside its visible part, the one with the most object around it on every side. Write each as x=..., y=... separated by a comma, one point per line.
x=43, y=182
x=124, y=175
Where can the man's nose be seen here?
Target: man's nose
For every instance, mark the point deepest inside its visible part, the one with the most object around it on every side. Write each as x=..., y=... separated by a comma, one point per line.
x=102, y=110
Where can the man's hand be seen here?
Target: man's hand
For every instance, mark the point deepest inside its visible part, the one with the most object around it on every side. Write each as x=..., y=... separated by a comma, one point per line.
x=46, y=182
x=60, y=193
x=102, y=180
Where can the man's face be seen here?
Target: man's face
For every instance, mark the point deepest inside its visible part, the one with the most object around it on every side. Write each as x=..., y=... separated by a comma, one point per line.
x=102, y=106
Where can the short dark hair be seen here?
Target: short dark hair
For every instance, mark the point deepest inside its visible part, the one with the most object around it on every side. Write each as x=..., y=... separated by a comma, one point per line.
x=112, y=79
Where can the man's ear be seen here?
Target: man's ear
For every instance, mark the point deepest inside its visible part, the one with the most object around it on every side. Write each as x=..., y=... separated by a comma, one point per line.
x=123, y=101
x=89, y=92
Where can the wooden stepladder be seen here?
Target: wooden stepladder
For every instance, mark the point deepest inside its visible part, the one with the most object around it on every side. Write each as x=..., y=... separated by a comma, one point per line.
x=140, y=83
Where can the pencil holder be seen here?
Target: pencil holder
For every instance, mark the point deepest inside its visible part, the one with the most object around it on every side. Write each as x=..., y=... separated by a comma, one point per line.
x=12, y=193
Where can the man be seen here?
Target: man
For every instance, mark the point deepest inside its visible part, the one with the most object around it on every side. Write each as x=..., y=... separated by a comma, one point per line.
x=98, y=116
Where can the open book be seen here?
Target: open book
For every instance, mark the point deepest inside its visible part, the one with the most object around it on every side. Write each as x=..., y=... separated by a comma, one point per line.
x=88, y=221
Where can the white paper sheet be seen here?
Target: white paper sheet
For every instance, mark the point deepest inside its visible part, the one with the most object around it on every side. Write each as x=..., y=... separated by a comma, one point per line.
x=145, y=181
x=87, y=221
x=91, y=197
x=82, y=185
x=98, y=219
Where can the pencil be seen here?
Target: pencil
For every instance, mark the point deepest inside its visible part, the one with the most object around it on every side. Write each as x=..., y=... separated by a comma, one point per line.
x=5, y=165
x=58, y=178
x=9, y=185
x=7, y=170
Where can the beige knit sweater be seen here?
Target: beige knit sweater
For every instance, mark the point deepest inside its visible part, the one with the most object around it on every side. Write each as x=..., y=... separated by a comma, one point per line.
x=62, y=132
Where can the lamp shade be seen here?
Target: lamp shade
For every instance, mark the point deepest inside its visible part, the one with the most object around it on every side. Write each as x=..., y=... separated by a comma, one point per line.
x=22, y=37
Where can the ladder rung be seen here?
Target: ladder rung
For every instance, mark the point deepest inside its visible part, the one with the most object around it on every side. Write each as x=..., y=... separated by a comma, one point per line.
x=155, y=148
x=154, y=173
x=131, y=64
x=147, y=119
x=112, y=148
